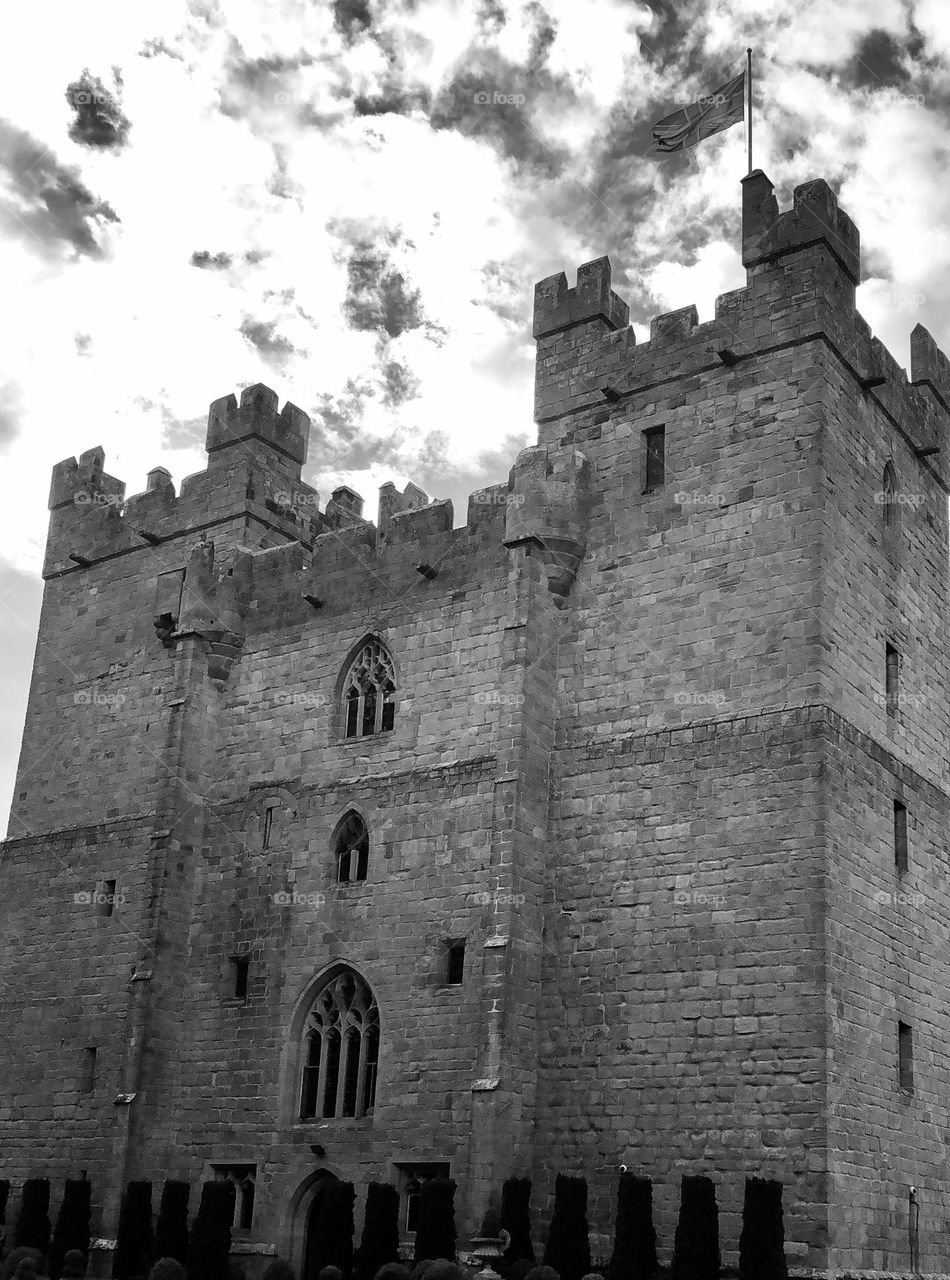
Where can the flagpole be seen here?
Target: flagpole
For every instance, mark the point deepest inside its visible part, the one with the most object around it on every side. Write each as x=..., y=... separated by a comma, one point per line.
x=749, y=99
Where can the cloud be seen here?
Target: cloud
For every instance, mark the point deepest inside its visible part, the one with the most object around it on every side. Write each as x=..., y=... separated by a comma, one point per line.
x=217, y=261
x=264, y=336
x=377, y=293
x=11, y=410
x=99, y=120
x=352, y=17
x=44, y=202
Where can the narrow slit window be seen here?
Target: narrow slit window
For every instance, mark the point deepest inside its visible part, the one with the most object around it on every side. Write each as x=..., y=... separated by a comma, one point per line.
x=900, y=836
x=240, y=968
x=106, y=898
x=88, y=1080
x=905, y=1056
x=268, y=826
x=655, y=444
x=455, y=964
x=892, y=673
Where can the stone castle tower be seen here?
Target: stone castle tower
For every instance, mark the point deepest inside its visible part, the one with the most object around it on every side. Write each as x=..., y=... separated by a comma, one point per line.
x=606, y=829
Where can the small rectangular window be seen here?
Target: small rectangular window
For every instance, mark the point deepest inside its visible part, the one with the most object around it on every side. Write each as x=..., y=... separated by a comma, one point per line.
x=88, y=1077
x=268, y=826
x=105, y=897
x=242, y=1179
x=892, y=671
x=240, y=966
x=905, y=1056
x=655, y=443
x=900, y=836
x=411, y=1178
x=455, y=964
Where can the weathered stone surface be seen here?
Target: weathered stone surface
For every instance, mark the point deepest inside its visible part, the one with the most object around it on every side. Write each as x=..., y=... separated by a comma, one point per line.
x=641, y=763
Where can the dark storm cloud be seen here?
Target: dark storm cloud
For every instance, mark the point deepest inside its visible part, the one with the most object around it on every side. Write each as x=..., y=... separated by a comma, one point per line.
x=393, y=99
x=377, y=295
x=99, y=120
x=352, y=17
x=208, y=261
x=494, y=100
x=264, y=336
x=44, y=202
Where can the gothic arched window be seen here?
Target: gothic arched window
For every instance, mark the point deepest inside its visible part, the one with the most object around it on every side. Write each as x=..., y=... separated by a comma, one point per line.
x=369, y=692
x=341, y=1051
x=351, y=848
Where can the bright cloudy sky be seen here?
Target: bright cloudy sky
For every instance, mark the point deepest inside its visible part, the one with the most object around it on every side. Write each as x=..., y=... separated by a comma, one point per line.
x=317, y=196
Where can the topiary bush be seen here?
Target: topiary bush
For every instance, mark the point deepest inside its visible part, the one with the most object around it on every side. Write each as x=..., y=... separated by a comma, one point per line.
x=334, y=1229
x=542, y=1273
x=420, y=1268
x=74, y=1265
x=278, y=1269
x=393, y=1271
x=330, y=1273
x=171, y=1227
x=518, y=1269
x=380, y=1241
x=634, y=1254
x=72, y=1226
x=4, y=1197
x=168, y=1269
x=515, y=1218
x=16, y=1256
x=26, y=1270
x=443, y=1269
x=568, y=1246
x=133, y=1242
x=435, y=1227
x=210, y=1240
x=33, y=1224
x=696, y=1244
x=762, y=1242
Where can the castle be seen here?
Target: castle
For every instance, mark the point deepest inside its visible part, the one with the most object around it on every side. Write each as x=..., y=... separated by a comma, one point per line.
x=606, y=829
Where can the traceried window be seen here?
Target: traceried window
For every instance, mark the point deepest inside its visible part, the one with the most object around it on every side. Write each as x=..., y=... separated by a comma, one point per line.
x=369, y=692
x=341, y=1051
x=242, y=1178
x=351, y=849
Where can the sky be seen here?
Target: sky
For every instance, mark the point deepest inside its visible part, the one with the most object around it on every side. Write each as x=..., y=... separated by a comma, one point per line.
x=352, y=202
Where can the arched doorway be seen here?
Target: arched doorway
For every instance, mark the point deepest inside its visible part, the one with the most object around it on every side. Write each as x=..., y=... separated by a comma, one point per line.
x=314, y=1253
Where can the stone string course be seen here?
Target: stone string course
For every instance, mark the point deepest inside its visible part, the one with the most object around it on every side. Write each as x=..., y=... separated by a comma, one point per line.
x=642, y=763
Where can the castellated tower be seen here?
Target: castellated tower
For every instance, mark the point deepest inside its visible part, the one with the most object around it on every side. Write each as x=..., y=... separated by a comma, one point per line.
x=605, y=829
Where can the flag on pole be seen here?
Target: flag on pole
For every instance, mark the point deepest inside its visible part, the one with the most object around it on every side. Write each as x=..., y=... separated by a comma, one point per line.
x=708, y=115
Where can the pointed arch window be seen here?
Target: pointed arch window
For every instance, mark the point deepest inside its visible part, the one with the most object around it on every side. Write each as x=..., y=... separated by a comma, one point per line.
x=369, y=692
x=341, y=1051
x=351, y=849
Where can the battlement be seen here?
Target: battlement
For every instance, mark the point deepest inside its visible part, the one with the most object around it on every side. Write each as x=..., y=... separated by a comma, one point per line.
x=802, y=268
x=815, y=218
x=256, y=417
x=556, y=307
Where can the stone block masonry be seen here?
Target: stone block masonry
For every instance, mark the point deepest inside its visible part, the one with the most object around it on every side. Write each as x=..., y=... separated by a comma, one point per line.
x=642, y=736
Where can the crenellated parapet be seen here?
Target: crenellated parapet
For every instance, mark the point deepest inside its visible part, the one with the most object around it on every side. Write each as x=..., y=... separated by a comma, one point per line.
x=556, y=307
x=802, y=264
x=815, y=218
x=255, y=418
x=251, y=489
